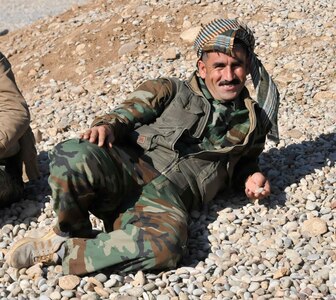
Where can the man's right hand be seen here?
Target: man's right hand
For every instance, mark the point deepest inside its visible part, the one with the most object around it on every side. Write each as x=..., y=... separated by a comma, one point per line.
x=100, y=135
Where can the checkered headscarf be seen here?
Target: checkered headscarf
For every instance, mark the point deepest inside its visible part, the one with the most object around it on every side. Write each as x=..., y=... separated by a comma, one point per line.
x=219, y=36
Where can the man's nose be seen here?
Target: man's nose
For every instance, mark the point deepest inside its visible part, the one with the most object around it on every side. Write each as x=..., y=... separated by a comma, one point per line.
x=228, y=73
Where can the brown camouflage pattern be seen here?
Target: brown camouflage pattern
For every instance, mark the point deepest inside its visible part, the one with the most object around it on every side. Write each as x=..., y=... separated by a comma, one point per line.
x=144, y=216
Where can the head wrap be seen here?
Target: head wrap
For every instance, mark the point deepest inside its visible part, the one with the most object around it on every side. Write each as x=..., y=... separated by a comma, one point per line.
x=219, y=36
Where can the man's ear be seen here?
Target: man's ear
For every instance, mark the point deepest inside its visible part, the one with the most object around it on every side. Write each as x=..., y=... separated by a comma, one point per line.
x=201, y=68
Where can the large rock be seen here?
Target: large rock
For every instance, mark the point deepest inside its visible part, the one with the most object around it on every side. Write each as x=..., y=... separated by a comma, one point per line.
x=69, y=282
x=325, y=95
x=127, y=48
x=170, y=54
x=190, y=34
x=314, y=227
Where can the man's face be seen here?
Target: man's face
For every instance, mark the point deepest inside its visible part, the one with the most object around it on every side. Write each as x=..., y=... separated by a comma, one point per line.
x=224, y=75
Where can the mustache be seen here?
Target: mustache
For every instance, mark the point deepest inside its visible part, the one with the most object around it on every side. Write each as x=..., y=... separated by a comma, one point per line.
x=232, y=82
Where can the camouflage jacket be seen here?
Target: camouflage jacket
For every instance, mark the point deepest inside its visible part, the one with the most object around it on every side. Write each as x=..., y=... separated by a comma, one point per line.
x=159, y=113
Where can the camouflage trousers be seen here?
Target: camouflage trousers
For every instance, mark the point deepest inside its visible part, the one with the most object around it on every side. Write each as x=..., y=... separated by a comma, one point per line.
x=144, y=216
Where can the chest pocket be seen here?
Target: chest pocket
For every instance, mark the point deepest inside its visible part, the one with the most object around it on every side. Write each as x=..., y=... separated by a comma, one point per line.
x=182, y=113
x=181, y=117
x=205, y=178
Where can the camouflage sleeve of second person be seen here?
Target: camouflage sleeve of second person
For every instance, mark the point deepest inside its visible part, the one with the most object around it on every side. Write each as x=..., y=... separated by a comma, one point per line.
x=142, y=106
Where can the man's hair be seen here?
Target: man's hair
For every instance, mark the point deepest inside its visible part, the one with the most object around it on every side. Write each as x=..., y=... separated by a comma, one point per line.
x=239, y=43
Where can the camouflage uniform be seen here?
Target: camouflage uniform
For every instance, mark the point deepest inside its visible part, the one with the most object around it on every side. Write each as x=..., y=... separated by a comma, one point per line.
x=142, y=191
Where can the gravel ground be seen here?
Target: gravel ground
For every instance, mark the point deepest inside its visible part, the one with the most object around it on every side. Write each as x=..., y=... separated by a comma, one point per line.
x=15, y=14
x=280, y=248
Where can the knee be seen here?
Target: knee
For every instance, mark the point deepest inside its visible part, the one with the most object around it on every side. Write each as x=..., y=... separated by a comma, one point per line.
x=73, y=150
x=73, y=155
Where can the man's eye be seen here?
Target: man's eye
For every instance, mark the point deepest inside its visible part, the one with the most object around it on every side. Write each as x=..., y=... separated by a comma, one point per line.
x=237, y=66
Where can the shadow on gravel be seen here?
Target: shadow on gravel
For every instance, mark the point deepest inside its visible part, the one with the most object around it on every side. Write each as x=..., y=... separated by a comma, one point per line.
x=290, y=164
x=40, y=188
x=283, y=167
x=198, y=247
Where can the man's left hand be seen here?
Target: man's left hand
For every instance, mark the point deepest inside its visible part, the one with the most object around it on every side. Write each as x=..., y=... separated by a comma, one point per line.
x=257, y=186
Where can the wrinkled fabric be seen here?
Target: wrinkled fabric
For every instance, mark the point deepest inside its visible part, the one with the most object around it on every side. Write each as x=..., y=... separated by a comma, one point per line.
x=15, y=133
x=169, y=119
x=144, y=217
x=144, y=210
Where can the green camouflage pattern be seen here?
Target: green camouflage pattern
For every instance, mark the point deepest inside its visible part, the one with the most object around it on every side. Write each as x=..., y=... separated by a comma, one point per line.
x=145, y=212
x=229, y=122
x=142, y=106
x=226, y=126
x=144, y=216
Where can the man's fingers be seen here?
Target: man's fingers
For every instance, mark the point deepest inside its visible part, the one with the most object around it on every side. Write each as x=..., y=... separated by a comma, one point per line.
x=110, y=140
x=250, y=184
x=86, y=135
x=259, y=179
x=257, y=186
x=105, y=136
x=93, y=136
x=100, y=135
x=248, y=193
x=90, y=135
x=264, y=191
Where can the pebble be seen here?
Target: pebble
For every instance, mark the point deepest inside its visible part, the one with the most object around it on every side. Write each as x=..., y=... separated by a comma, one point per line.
x=139, y=279
x=110, y=283
x=68, y=294
x=136, y=291
x=68, y=282
x=55, y=295
x=282, y=247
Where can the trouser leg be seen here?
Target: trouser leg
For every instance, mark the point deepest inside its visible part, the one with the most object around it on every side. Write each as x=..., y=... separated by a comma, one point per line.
x=14, y=168
x=84, y=177
x=11, y=184
x=149, y=234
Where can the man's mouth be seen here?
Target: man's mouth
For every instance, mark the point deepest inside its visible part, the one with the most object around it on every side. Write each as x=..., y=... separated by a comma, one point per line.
x=229, y=83
x=228, y=88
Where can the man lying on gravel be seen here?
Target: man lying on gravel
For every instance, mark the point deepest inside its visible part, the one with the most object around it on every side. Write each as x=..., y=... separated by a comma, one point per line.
x=171, y=146
x=17, y=143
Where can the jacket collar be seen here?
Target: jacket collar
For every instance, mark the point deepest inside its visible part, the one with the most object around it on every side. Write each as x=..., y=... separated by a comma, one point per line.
x=192, y=83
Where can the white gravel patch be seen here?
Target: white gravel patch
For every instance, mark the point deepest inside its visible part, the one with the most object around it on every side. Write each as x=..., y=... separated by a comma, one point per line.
x=15, y=14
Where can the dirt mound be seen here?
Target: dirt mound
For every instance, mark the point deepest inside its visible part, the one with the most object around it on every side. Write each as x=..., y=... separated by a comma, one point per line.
x=90, y=35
